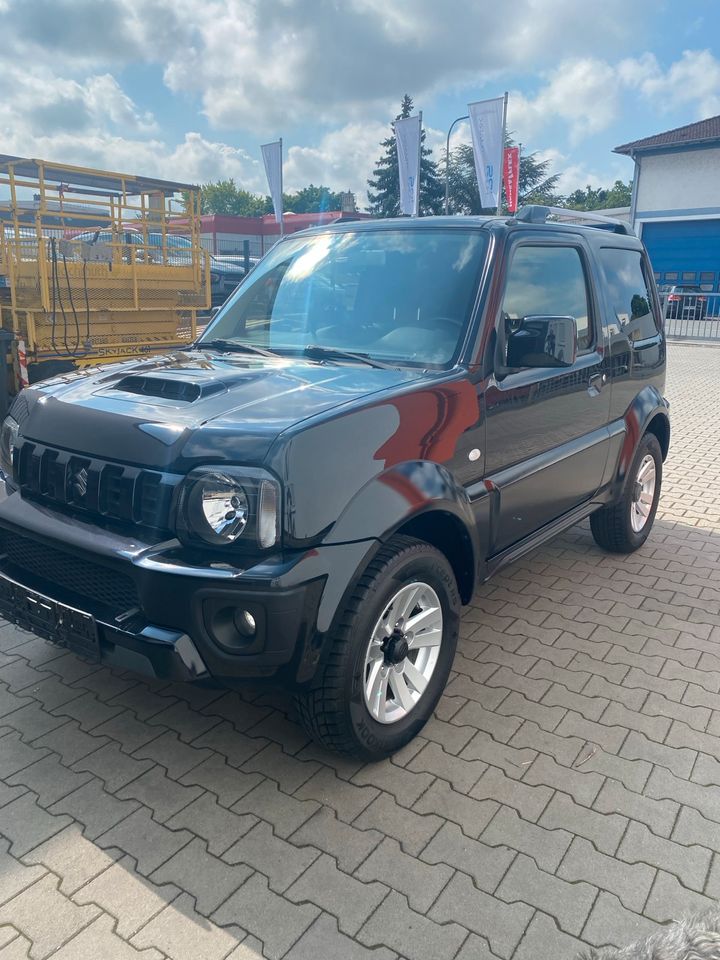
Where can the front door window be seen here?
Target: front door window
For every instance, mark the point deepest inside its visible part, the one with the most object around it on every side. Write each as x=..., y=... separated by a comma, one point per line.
x=547, y=281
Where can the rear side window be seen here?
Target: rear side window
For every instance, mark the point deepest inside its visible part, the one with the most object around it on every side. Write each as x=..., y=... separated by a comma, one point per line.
x=548, y=281
x=628, y=292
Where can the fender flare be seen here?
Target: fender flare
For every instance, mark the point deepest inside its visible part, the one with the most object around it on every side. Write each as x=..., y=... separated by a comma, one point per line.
x=420, y=498
x=401, y=499
x=648, y=411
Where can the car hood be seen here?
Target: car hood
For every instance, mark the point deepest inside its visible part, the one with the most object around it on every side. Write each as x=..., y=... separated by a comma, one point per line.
x=176, y=411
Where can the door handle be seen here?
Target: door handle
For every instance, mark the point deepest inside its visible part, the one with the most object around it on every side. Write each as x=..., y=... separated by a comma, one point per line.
x=596, y=382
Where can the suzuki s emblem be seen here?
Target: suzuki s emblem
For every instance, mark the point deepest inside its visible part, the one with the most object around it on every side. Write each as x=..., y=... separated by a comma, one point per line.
x=79, y=482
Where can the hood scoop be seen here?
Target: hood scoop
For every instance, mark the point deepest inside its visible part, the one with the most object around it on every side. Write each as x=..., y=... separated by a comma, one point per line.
x=167, y=388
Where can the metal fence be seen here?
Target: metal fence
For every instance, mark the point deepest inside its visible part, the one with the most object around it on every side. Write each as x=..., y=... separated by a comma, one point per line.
x=692, y=316
x=236, y=247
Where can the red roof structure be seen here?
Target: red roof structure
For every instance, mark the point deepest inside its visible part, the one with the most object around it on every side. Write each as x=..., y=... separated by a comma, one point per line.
x=703, y=131
x=222, y=234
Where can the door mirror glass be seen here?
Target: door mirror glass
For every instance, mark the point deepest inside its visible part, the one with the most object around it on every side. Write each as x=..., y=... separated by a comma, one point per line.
x=542, y=342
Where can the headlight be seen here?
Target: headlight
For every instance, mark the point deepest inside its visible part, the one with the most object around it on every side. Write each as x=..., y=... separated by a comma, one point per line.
x=223, y=507
x=219, y=507
x=8, y=439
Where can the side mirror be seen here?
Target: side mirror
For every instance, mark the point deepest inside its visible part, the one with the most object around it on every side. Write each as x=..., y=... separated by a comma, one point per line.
x=543, y=342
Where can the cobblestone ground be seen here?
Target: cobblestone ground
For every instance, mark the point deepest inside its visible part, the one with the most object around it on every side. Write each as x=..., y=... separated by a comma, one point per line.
x=567, y=792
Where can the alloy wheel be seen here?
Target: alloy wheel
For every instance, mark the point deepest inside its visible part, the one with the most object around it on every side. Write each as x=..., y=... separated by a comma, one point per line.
x=643, y=493
x=402, y=652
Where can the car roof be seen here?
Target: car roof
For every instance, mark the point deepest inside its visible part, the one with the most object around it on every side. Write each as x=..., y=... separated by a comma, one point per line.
x=596, y=234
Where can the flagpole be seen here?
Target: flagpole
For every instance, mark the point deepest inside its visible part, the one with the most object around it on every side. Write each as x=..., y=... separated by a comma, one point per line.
x=504, y=135
x=519, y=162
x=419, y=170
x=447, y=163
x=282, y=212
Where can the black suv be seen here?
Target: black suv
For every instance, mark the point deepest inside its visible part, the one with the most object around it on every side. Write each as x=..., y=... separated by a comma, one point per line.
x=382, y=415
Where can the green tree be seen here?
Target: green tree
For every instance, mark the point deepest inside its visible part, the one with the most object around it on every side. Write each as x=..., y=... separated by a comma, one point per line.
x=601, y=199
x=312, y=199
x=384, y=192
x=536, y=184
x=224, y=197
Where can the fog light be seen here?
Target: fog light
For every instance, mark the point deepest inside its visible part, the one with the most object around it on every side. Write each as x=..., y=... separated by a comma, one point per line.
x=245, y=623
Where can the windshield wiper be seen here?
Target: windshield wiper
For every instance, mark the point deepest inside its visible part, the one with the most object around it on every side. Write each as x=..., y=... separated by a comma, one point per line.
x=317, y=351
x=234, y=346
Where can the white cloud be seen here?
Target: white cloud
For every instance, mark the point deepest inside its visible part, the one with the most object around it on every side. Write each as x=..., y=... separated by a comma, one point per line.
x=259, y=65
x=93, y=122
x=194, y=160
x=588, y=94
x=106, y=101
x=43, y=104
x=272, y=67
x=85, y=32
x=585, y=93
x=692, y=81
x=342, y=160
x=577, y=176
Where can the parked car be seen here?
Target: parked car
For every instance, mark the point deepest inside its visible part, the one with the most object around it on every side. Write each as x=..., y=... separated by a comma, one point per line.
x=686, y=301
x=382, y=416
x=225, y=275
x=236, y=260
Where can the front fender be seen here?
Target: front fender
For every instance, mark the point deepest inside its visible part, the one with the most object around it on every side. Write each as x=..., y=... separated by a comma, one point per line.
x=396, y=496
x=418, y=497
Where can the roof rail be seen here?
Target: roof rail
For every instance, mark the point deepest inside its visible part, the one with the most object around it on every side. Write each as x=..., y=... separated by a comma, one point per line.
x=537, y=213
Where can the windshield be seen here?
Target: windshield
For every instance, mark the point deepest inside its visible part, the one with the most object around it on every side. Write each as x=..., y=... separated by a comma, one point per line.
x=397, y=295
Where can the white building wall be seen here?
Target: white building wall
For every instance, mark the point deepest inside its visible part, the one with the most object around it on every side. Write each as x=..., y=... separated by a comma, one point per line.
x=686, y=183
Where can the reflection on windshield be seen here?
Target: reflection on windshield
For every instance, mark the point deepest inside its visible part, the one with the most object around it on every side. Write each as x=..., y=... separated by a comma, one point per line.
x=395, y=295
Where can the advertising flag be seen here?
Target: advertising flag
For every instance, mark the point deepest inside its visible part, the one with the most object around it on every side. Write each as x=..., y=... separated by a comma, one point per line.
x=408, y=136
x=511, y=177
x=272, y=158
x=486, y=126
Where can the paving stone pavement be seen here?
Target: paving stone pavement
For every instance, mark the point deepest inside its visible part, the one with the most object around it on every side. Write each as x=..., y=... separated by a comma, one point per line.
x=566, y=793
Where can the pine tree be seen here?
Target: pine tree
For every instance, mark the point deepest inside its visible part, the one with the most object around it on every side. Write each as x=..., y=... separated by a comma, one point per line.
x=535, y=185
x=384, y=192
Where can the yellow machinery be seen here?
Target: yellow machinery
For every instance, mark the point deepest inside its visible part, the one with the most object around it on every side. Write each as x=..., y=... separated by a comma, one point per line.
x=89, y=270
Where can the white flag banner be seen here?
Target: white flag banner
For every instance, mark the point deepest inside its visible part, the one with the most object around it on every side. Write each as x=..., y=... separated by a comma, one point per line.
x=486, y=126
x=408, y=135
x=272, y=158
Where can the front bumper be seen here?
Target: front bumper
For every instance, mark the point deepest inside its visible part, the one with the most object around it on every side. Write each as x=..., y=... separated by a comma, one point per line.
x=162, y=613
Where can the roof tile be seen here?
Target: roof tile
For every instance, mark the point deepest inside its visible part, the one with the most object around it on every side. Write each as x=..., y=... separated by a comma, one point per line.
x=699, y=132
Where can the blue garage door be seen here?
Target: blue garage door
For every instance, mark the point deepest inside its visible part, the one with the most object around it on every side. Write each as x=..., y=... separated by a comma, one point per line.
x=686, y=251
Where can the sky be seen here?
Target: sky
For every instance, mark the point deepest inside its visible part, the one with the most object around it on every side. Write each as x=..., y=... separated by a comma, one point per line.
x=189, y=89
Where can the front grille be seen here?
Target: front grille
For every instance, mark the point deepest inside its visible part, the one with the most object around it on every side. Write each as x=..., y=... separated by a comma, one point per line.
x=83, y=578
x=90, y=486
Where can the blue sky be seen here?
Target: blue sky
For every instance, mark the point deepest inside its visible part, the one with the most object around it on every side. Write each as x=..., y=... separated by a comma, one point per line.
x=189, y=89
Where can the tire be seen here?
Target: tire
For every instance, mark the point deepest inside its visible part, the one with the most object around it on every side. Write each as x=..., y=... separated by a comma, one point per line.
x=612, y=526
x=335, y=710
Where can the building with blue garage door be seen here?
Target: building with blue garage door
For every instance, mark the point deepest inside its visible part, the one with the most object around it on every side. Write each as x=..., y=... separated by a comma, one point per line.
x=676, y=202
